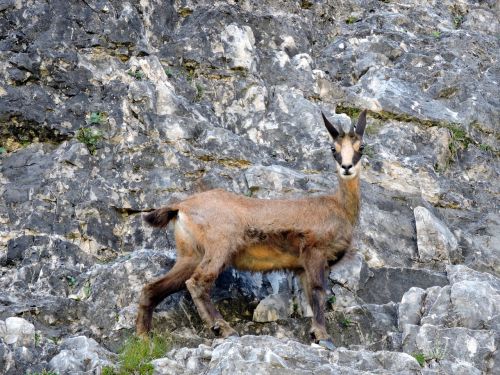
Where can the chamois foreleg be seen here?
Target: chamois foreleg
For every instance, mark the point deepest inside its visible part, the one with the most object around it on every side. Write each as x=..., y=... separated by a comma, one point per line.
x=154, y=292
x=314, y=285
x=199, y=286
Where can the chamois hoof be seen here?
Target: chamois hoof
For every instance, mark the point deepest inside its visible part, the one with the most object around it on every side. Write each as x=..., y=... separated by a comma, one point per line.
x=222, y=328
x=233, y=334
x=143, y=324
x=327, y=344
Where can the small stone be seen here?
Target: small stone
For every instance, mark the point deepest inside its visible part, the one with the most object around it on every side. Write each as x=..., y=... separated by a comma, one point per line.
x=271, y=309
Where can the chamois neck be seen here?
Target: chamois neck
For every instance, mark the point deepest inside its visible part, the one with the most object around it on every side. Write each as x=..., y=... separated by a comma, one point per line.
x=350, y=198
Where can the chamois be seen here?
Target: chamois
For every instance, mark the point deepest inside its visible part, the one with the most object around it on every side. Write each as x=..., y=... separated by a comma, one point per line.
x=216, y=229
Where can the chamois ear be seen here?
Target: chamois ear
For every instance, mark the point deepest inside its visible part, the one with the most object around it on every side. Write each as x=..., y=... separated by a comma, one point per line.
x=331, y=129
x=360, y=126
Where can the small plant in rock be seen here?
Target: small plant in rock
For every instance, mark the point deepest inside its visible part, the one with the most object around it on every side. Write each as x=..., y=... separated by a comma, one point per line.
x=349, y=111
x=38, y=338
x=369, y=151
x=73, y=236
x=459, y=140
x=137, y=353
x=2, y=150
x=71, y=281
x=346, y=322
x=55, y=340
x=87, y=289
x=436, y=34
x=296, y=309
x=351, y=20
x=169, y=72
x=96, y=118
x=457, y=21
x=138, y=74
x=89, y=137
x=305, y=4
x=199, y=92
x=420, y=357
x=436, y=354
x=482, y=147
x=332, y=299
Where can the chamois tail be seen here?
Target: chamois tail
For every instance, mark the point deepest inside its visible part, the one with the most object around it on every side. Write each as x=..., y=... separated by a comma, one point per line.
x=161, y=217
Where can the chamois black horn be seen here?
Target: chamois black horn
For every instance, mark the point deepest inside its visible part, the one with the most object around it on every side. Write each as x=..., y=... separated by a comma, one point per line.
x=331, y=129
x=360, y=126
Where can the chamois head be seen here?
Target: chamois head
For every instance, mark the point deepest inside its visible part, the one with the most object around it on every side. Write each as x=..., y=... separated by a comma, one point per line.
x=347, y=147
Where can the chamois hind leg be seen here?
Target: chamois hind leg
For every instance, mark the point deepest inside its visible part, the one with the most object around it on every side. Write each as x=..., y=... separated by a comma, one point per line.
x=314, y=283
x=155, y=292
x=199, y=286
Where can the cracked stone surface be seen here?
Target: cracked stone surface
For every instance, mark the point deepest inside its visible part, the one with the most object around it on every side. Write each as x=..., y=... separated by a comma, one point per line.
x=109, y=109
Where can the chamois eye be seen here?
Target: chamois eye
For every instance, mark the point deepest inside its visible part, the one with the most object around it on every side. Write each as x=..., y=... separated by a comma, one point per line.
x=361, y=148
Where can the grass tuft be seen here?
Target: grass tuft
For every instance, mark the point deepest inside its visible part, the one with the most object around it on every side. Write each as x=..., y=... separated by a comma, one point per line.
x=459, y=140
x=137, y=353
x=420, y=357
x=436, y=354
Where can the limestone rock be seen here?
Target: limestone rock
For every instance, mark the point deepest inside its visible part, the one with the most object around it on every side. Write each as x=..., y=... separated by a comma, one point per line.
x=17, y=331
x=80, y=355
x=265, y=354
x=471, y=301
x=239, y=45
x=409, y=308
x=455, y=326
x=435, y=241
x=476, y=305
x=386, y=284
x=476, y=347
x=129, y=106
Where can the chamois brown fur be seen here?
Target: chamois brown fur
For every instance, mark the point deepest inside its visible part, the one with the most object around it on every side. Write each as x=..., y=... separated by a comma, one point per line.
x=217, y=229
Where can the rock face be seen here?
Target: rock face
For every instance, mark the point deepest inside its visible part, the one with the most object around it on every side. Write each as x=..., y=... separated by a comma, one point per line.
x=455, y=323
x=109, y=109
x=80, y=355
x=435, y=242
x=269, y=355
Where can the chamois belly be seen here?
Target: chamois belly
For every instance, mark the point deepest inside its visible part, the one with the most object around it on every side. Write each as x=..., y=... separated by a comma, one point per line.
x=263, y=257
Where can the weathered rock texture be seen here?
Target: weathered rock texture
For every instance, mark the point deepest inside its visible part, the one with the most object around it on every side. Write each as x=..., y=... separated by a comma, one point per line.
x=269, y=355
x=112, y=108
